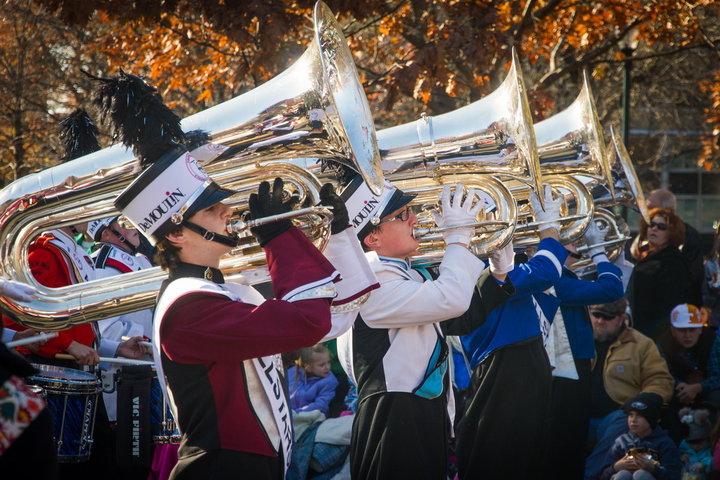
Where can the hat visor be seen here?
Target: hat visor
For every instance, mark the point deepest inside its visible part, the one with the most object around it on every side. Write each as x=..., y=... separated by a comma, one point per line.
x=213, y=194
x=398, y=200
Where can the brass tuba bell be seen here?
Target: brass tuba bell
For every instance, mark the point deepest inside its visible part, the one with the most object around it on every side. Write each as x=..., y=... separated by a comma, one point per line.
x=317, y=108
x=481, y=145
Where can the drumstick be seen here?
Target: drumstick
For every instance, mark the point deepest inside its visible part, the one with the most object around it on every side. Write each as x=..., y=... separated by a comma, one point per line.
x=33, y=339
x=119, y=361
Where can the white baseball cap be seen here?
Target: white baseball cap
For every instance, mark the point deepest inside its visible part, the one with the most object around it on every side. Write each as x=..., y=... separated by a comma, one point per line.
x=686, y=316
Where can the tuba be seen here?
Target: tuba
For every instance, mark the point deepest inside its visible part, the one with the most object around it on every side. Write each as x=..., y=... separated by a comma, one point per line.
x=626, y=192
x=570, y=143
x=317, y=108
x=480, y=145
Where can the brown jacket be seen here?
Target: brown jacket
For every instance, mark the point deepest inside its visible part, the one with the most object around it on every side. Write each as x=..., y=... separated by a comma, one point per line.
x=633, y=364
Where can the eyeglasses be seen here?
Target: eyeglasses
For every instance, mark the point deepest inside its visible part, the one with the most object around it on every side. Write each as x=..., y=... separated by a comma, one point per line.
x=602, y=315
x=402, y=216
x=660, y=225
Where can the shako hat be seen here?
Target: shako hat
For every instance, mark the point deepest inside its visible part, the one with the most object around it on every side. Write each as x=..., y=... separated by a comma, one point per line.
x=173, y=186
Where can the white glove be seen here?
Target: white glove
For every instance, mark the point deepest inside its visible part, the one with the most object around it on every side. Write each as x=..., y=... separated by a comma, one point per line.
x=593, y=236
x=503, y=260
x=551, y=214
x=16, y=290
x=457, y=212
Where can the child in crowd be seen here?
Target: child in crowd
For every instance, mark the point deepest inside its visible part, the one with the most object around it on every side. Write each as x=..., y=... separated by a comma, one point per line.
x=312, y=385
x=695, y=453
x=645, y=452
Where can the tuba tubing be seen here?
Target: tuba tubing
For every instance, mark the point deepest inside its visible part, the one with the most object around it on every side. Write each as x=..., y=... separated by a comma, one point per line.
x=316, y=108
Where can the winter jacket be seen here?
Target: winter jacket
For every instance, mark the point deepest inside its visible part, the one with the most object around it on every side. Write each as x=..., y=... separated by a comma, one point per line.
x=658, y=440
x=310, y=393
x=633, y=364
x=659, y=283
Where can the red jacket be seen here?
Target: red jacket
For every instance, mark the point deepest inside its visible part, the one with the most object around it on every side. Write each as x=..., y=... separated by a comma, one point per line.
x=49, y=267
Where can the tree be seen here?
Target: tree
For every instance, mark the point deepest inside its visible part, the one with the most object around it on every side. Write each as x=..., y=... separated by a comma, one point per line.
x=424, y=55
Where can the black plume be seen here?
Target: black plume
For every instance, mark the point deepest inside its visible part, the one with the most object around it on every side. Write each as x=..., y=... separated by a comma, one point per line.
x=138, y=116
x=79, y=135
x=343, y=173
x=196, y=138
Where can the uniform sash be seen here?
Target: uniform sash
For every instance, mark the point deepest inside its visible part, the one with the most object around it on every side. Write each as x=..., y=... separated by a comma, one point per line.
x=266, y=369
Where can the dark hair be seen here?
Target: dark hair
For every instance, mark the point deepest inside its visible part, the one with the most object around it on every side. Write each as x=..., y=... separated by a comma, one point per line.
x=167, y=254
x=676, y=227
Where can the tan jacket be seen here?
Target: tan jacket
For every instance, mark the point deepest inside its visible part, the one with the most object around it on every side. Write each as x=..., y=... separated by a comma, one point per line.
x=633, y=364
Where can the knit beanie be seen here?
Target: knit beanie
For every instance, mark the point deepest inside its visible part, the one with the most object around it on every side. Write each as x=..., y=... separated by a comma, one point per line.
x=647, y=404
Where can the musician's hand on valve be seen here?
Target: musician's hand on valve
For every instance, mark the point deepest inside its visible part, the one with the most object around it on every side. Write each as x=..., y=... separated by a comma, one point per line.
x=263, y=204
x=593, y=236
x=455, y=211
x=16, y=290
x=502, y=260
x=550, y=215
x=83, y=354
x=328, y=198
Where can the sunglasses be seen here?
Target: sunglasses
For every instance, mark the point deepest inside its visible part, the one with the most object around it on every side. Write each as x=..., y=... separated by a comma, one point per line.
x=402, y=216
x=660, y=225
x=602, y=315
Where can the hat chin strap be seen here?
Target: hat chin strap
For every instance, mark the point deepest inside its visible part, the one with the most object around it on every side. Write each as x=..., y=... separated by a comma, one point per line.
x=226, y=240
x=133, y=249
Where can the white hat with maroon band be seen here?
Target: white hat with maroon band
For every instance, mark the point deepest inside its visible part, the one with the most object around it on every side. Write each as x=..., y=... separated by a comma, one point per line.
x=170, y=191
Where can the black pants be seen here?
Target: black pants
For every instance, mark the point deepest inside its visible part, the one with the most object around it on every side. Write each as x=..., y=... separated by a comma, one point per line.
x=228, y=465
x=399, y=435
x=502, y=435
x=569, y=420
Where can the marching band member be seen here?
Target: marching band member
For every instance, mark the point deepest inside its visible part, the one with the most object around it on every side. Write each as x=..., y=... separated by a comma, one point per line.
x=396, y=351
x=571, y=393
x=509, y=394
x=216, y=342
x=118, y=254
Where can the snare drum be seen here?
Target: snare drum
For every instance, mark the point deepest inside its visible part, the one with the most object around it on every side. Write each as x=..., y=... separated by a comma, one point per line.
x=72, y=397
x=164, y=428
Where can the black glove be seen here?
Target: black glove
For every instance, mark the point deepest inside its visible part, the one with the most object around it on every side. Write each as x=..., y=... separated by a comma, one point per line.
x=262, y=204
x=329, y=198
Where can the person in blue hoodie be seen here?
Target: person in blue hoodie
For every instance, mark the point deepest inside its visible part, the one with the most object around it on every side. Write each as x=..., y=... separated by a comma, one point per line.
x=502, y=432
x=571, y=388
x=312, y=384
x=644, y=451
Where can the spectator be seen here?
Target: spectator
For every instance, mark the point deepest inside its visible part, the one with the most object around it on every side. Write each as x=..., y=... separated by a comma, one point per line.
x=692, y=352
x=691, y=248
x=627, y=363
x=312, y=384
x=644, y=451
x=661, y=278
x=711, y=285
x=693, y=356
x=695, y=453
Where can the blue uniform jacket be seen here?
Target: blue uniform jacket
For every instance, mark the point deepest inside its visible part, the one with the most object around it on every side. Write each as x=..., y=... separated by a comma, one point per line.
x=517, y=319
x=575, y=294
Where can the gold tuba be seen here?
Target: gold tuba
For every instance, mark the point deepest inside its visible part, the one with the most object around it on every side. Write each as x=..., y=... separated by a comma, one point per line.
x=317, y=107
x=480, y=145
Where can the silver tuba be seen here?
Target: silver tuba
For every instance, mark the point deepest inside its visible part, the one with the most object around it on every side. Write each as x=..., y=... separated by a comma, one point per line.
x=480, y=145
x=626, y=192
x=570, y=143
x=315, y=108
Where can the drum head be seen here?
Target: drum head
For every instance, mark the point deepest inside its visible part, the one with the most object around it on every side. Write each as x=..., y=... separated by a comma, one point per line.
x=57, y=379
